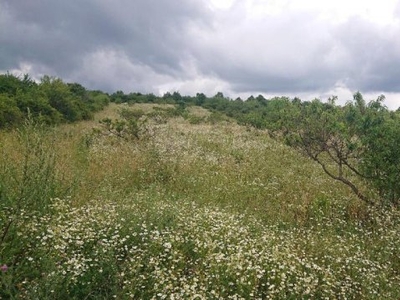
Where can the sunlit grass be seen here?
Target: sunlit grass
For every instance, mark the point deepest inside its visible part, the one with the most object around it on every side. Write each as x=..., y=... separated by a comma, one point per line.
x=204, y=211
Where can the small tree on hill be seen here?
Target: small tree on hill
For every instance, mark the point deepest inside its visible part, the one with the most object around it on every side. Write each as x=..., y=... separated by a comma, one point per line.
x=354, y=144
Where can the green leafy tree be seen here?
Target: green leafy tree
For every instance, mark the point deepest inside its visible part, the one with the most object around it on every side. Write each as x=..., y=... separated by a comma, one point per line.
x=98, y=100
x=118, y=97
x=177, y=97
x=9, y=112
x=38, y=106
x=379, y=132
x=219, y=95
x=11, y=84
x=319, y=131
x=276, y=113
x=254, y=119
x=354, y=144
x=200, y=99
x=60, y=97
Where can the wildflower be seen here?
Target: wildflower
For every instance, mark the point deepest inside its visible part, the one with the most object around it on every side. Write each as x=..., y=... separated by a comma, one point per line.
x=4, y=268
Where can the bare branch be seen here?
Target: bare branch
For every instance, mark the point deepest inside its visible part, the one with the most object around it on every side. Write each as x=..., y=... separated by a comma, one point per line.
x=345, y=181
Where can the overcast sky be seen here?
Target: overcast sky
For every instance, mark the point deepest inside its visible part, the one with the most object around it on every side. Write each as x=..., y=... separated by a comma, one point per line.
x=300, y=48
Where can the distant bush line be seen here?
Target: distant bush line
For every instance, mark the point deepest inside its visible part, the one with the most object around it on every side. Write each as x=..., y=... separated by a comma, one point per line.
x=51, y=101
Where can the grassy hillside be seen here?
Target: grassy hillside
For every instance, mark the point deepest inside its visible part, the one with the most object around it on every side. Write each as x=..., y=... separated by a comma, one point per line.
x=196, y=208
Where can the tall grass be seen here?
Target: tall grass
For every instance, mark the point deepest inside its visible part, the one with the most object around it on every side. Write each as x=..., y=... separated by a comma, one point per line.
x=192, y=210
x=28, y=182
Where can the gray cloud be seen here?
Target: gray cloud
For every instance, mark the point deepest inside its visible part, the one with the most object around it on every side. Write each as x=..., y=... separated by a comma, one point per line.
x=374, y=53
x=289, y=53
x=299, y=52
x=59, y=34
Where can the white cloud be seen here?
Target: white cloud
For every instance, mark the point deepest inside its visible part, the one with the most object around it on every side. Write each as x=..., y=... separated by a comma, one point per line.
x=334, y=11
x=221, y=4
x=207, y=85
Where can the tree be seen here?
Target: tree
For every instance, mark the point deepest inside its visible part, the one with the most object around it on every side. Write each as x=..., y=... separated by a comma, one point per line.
x=118, y=97
x=354, y=144
x=200, y=99
x=9, y=112
x=77, y=90
x=176, y=96
x=97, y=100
x=52, y=101
x=379, y=133
x=276, y=113
x=60, y=97
x=10, y=84
x=260, y=99
x=319, y=131
x=251, y=98
x=219, y=95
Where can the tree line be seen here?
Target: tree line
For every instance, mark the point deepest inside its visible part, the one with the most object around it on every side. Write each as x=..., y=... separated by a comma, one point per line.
x=51, y=101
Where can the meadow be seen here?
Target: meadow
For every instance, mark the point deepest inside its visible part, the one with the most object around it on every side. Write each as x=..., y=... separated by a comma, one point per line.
x=189, y=207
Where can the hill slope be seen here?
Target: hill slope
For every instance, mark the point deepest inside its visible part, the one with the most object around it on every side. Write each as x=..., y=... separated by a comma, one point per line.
x=189, y=206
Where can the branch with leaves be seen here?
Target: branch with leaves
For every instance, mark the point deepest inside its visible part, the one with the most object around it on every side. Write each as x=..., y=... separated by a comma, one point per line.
x=352, y=144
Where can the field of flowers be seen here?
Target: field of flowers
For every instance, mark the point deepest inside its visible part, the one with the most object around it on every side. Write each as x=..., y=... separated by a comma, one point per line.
x=190, y=210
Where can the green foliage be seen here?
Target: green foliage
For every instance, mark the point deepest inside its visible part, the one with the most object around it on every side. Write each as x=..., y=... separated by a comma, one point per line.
x=216, y=117
x=39, y=107
x=189, y=211
x=62, y=99
x=379, y=133
x=254, y=119
x=130, y=126
x=200, y=99
x=196, y=119
x=354, y=144
x=97, y=100
x=121, y=128
x=9, y=111
x=52, y=101
x=131, y=113
x=161, y=115
x=10, y=84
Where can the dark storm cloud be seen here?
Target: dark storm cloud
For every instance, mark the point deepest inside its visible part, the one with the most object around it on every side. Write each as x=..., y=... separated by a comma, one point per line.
x=53, y=34
x=59, y=34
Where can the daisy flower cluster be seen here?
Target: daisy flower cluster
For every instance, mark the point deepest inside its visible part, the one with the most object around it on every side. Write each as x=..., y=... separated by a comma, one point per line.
x=182, y=251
